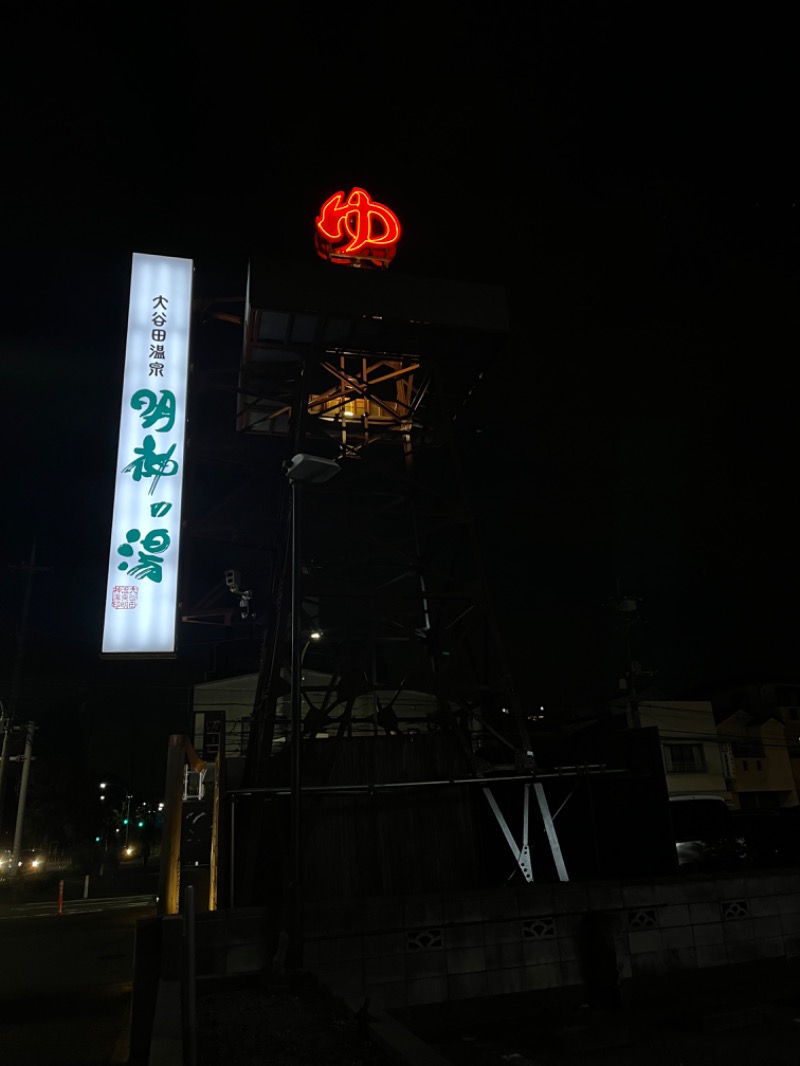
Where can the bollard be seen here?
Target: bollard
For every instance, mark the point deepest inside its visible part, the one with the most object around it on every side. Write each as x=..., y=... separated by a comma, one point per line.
x=86, y=887
x=60, y=897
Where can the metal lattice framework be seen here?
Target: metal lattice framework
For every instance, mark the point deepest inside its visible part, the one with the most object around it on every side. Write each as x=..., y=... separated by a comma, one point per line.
x=374, y=371
x=391, y=569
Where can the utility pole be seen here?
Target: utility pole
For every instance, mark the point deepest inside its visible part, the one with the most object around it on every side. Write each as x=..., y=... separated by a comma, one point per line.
x=627, y=606
x=30, y=570
x=9, y=713
x=23, y=793
x=5, y=725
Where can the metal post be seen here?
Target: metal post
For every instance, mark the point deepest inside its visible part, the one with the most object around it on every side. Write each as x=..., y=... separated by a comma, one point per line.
x=23, y=792
x=5, y=722
x=190, y=1054
x=302, y=469
x=296, y=934
x=232, y=855
x=169, y=871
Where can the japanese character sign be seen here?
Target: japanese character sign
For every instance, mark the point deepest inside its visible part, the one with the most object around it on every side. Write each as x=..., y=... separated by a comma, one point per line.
x=356, y=231
x=141, y=596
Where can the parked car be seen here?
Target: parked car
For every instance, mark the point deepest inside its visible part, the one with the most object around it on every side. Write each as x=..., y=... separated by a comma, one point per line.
x=706, y=836
x=772, y=837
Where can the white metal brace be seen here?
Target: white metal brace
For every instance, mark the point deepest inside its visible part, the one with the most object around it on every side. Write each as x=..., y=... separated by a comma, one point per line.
x=550, y=829
x=522, y=853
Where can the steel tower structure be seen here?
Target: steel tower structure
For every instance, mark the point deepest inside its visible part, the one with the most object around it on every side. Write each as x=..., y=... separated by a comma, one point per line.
x=408, y=687
x=372, y=371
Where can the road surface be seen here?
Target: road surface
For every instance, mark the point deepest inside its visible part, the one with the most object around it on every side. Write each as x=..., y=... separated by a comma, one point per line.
x=65, y=980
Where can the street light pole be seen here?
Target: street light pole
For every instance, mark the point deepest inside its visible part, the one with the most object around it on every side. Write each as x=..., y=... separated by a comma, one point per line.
x=301, y=470
x=296, y=727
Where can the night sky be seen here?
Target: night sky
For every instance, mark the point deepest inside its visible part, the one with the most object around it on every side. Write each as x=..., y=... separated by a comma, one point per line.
x=631, y=179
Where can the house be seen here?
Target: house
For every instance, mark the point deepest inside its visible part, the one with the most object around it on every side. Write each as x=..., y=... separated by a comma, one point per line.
x=696, y=760
x=777, y=700
x=227, y=704
x=763, y=773
x=742, y=744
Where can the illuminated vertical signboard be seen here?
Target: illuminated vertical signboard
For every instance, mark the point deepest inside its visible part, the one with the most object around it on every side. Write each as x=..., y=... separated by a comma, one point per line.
x=142, y=589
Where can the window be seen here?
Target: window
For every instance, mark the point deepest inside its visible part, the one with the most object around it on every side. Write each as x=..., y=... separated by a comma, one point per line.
x=751, y=748
x=684, y=758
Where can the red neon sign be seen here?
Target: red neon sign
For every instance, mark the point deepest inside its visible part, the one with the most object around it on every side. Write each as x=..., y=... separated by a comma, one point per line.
x=356, y=231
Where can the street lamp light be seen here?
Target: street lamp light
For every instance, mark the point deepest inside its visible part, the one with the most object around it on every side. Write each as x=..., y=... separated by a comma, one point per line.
x=301, y=470
x=310, y=636
x=127, y=808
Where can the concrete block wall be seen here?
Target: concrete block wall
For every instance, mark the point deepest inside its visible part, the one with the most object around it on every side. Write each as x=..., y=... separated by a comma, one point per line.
x=407, y=951
x=426, y=949
x=229, y=943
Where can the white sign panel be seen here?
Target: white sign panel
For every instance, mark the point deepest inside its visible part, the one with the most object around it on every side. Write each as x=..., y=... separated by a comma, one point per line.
x=142, y=589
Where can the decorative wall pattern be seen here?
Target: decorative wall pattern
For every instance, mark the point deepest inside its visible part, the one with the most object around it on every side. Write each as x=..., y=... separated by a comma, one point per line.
x=432, y=948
